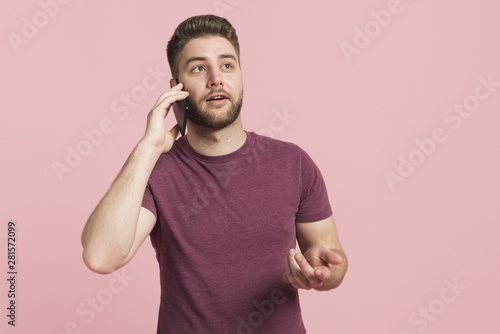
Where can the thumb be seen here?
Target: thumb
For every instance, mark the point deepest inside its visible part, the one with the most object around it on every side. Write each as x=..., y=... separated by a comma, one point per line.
x=175, y=131
x=331, y=257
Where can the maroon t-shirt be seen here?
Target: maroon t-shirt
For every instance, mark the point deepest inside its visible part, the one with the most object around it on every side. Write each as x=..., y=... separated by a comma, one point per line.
x=224, y=226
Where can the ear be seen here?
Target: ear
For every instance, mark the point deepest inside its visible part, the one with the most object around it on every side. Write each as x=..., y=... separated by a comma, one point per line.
x=173, y=82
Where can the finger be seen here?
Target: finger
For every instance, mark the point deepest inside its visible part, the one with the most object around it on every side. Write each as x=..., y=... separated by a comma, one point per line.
x=298, y=275
x=288, y=269
x=304, y=266
x=161, y=110
x=292, y=269
x=170, y=96
x=323, y=273
x=330, y=257
x=177, y=87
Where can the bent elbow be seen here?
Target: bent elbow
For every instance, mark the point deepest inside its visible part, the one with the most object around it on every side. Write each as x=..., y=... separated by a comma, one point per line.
x=99, y=265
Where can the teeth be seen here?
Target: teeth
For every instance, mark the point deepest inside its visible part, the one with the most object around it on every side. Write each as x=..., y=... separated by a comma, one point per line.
x=217, y=98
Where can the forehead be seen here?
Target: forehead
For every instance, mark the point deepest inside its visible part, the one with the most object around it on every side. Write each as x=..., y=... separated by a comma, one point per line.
x=206, y=47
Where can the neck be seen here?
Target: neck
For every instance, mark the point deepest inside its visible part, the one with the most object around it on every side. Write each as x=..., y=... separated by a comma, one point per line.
x=216, y=142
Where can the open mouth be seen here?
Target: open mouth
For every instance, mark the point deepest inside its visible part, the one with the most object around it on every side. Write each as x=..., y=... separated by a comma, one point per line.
x=217, y=97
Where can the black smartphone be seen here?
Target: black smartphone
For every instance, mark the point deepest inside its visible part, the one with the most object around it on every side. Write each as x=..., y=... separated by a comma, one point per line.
x=181, y=113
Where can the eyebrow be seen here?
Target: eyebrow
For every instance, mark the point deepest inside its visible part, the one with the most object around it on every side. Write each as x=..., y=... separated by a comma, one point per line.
x=221, y=56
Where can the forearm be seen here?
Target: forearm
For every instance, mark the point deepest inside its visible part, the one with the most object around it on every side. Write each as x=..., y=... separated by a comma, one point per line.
x=110, y=230
x=337, y=271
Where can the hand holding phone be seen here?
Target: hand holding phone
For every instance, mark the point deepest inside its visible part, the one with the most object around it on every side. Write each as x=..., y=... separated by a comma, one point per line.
x=181, y=113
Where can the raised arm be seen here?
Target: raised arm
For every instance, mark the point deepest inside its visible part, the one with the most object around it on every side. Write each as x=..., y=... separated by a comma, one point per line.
x=119, y=225
x=321, y=263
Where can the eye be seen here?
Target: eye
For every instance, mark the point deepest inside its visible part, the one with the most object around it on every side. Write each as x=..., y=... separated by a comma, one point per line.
x=198, y=69
x=227, y=66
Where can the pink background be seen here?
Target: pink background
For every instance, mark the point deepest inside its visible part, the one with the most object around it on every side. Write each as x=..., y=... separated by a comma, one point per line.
x=355, y=114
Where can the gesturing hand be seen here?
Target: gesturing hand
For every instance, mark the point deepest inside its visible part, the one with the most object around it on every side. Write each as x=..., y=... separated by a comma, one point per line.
x=311, y=269
x=156, y=133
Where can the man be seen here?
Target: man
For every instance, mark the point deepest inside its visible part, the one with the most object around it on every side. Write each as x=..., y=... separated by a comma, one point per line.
x=223, y=207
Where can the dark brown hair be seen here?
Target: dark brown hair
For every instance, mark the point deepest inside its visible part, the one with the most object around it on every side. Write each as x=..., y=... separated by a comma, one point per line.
x=195, y=27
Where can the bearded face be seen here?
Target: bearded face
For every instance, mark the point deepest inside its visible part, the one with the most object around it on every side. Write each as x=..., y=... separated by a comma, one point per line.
x=215, y=110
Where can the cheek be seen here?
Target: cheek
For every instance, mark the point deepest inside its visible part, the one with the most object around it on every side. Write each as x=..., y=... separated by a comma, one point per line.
x=193, y=95
x=195, y=98
x=238, y=85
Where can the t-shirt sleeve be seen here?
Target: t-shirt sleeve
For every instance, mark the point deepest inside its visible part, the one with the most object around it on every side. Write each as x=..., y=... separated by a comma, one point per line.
x=314, y=203
x=148, y=200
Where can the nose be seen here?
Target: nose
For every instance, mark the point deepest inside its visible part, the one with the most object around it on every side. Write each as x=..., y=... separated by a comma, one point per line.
x=215, y=79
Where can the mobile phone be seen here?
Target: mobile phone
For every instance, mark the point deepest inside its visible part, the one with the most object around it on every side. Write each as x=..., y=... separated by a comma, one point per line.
x=181, y=113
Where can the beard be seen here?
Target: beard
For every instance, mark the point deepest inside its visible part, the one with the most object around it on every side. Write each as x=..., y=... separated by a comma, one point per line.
x=203, y=117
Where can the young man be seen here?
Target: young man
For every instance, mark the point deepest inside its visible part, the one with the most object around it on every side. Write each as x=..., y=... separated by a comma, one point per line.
x=223, y=207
